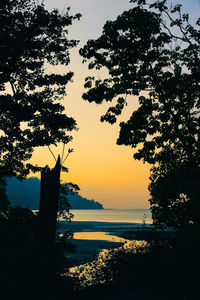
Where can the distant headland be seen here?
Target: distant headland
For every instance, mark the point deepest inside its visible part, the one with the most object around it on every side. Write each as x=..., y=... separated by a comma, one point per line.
x=26, y=193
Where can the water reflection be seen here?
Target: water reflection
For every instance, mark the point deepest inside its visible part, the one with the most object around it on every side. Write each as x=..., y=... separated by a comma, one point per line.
x=100, y=270
x=102, y=236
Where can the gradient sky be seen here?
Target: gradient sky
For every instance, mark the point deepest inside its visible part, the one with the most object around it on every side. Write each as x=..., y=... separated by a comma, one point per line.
x=104, y=171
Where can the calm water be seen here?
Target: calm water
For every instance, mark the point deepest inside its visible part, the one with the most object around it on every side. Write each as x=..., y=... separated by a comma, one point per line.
x=113, y=215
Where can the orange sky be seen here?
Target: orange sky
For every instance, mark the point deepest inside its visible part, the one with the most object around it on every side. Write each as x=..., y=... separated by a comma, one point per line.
x=104, y=171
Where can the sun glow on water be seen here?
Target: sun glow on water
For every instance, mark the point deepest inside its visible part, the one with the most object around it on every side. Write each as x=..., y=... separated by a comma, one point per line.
x=103, y=236
x=94, y=271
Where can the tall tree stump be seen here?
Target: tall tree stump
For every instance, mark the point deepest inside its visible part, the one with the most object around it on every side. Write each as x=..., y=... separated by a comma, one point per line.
x=49, y=195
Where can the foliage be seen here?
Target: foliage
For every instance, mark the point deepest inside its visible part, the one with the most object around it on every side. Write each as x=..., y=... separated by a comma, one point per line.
x=175, y=196
x=63, y=203
x=130, y=270
x=152, y=52
x=64, y=213
x=34, y=42
x=20, y=215
x=4, y=202
x=28, y=266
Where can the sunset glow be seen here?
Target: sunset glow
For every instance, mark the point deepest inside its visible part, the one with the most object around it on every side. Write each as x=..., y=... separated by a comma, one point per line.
x=104, y=171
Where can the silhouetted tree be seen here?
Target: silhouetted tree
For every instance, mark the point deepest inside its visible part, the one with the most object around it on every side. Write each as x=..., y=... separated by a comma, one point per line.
x=152, y=51
x=49, y=195
x=33, y=42
x=66, y=189
x=4, y=202
x=175, y=195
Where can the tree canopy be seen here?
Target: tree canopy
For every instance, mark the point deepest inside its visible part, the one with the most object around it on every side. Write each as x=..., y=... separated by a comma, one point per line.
x=34, y=42
x=4, y=203
x=152, y=51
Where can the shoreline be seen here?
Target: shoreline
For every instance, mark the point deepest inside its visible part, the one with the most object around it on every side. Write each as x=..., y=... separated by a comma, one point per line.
x=113, y=215
x=93, y=237
x=95, y=226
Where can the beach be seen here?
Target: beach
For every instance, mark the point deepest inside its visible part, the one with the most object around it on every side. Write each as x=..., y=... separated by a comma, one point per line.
x=90, y=237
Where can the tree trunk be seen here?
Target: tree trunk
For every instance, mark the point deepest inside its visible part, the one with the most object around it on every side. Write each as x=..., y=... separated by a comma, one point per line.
x=49, y=194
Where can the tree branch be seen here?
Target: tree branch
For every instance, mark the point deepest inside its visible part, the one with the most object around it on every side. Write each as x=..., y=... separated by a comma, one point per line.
x=52, y=153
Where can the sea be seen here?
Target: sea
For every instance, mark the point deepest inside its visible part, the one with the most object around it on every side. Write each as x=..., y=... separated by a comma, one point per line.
x=113, y=215
x=98, y=232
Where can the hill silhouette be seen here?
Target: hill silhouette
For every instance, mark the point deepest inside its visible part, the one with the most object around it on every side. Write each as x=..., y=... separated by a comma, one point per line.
x=26, y=193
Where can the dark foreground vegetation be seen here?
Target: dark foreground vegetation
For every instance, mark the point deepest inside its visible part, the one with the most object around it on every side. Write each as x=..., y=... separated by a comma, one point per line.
x=167, y=267
x=30, y=268
x=164, y=268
